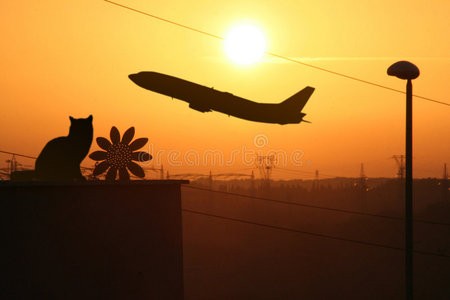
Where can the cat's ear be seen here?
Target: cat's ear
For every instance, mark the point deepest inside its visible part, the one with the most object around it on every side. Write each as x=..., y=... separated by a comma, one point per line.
x=90, y=118
x=71, y=118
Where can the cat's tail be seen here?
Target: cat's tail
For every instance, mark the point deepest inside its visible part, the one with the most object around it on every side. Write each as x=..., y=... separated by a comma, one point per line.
x=21, y=176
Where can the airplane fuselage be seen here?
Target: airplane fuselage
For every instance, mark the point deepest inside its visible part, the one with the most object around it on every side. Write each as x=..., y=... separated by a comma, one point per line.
x=205, y=99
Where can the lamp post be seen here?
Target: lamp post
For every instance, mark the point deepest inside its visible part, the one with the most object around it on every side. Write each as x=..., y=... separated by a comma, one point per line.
x=408, y=71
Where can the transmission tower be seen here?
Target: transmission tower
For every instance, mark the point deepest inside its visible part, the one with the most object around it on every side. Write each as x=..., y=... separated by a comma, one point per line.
x=399, y=159
x=265, y=164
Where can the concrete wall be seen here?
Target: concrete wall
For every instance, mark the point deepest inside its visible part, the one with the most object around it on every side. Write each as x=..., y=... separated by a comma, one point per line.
x=91, y=240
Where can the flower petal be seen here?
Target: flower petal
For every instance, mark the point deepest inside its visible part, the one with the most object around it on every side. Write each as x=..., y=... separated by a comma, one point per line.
x=128, y=136
x=136, y=169
x=123, y=174
x=111, y=175
x=103, y=143
x=114, y=135
x=138, y=143
x=100, y=168
x=140, y=156
x=98, y=155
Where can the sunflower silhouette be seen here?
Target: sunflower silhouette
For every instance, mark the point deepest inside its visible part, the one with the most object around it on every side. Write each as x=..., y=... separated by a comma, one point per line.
x=119, y=155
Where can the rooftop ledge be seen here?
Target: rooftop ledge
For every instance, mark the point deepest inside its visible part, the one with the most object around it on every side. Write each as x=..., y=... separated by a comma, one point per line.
x=93, y=183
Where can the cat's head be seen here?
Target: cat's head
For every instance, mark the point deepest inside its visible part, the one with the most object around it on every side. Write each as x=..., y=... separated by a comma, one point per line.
x=82, y=126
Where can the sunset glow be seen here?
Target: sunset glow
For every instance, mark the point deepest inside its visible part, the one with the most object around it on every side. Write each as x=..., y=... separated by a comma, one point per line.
x=74, y=58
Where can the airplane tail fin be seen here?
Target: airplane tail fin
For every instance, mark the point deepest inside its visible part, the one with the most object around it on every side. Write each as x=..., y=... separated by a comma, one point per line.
x=298, y=101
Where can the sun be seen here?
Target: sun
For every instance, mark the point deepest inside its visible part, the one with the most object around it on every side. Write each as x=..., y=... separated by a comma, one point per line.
x=245, y=44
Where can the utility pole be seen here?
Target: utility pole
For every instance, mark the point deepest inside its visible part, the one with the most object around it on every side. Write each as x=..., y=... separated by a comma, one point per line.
x=316, y=181
x=12, y=165
x=252, y=184
x=210, y=180
x=210, y=186
x=408, y=71
x=363, y=187
x=445, y=185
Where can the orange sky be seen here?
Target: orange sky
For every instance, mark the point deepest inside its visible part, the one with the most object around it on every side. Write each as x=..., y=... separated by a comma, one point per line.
x=61, y=58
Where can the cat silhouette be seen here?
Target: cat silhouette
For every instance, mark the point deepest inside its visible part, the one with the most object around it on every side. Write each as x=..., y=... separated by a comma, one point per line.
x=61, y=157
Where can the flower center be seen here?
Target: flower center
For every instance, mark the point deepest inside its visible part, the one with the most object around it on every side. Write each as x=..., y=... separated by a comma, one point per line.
x=119, y=155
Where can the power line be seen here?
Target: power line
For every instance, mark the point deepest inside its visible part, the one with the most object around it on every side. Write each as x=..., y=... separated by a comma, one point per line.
x=17, y=154
x=313, y=206
x=278, y=55
x=165, y=20
x=311, y=233
x=305, y=172
x=32, y=157
x=353, y=78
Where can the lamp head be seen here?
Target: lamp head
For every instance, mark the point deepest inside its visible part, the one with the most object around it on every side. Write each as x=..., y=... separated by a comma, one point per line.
x=404, y=70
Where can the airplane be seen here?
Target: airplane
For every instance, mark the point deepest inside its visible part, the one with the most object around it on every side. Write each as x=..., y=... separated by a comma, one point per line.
x=205, y=99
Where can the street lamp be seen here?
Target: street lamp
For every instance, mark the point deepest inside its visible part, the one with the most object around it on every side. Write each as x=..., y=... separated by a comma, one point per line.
x=408, y=71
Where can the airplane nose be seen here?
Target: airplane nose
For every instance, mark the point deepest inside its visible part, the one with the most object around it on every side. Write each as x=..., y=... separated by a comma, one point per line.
x=143, y=79
x=135, y=78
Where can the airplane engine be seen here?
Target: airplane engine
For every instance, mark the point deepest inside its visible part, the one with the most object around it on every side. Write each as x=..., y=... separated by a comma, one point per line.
x=200, y=108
